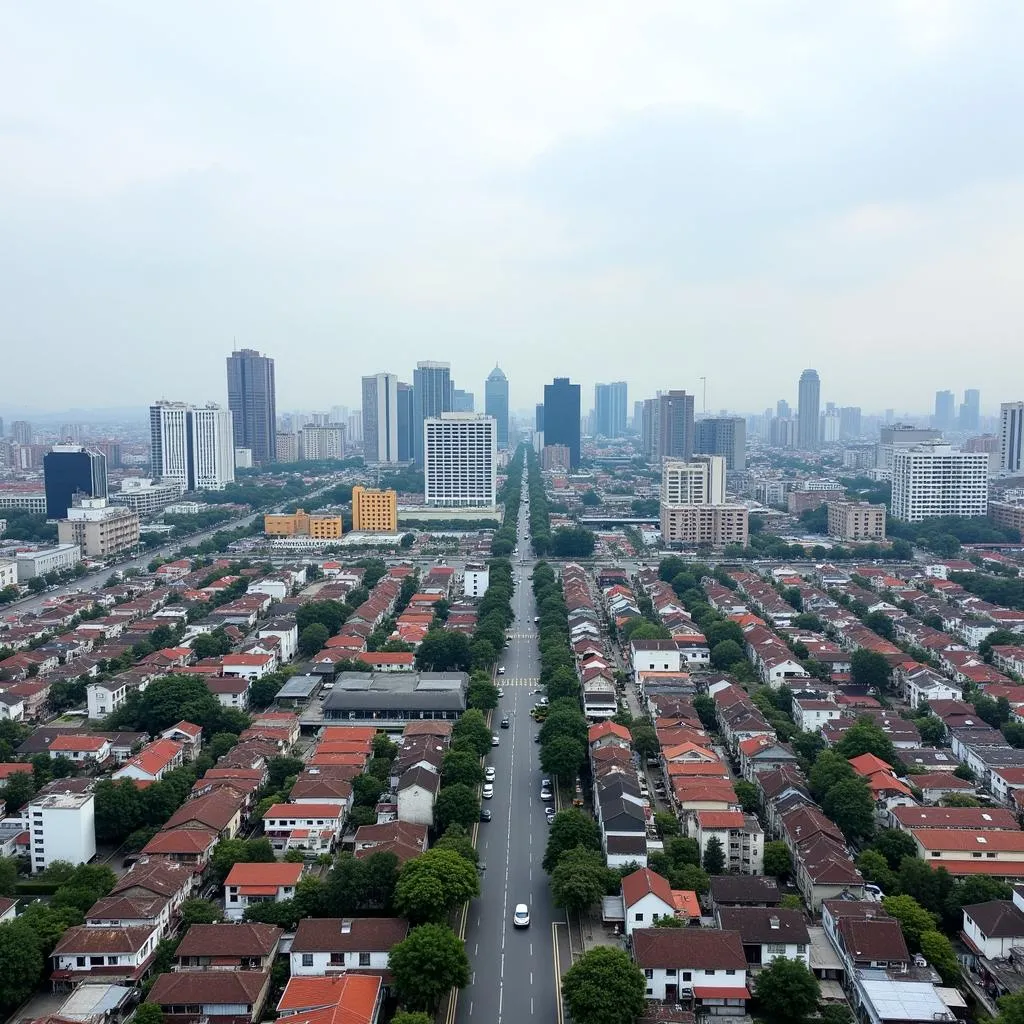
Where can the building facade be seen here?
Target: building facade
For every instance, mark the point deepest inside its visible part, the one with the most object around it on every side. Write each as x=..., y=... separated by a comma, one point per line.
x=460, y=460
x=725, y=436
x=809, y=411
x=938, y=480
x=146, y=496
x=252, y=399
x=55, y=559
x=856, y=520
x=99, y=529
x=380, y=418
x=62, y=826
x=70, y=469
x=700, y=482
x=374, y=511
x=610, y=405
x=302, y=524
x=496, y=403
x=432, y=394
x=716, y=525
x=1011, y=426
x=667, y=427
x=326, y=441
x=192, y=446
x=562, y=417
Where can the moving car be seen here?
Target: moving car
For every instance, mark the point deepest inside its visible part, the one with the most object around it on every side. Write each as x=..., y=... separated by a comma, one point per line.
x=501, y=670
x=488, y=790
x=495, y=739
x=521, y=917
x=485, y=814
x=505, y=723
x=501, y=692
x=489, y=773
x=549, y=814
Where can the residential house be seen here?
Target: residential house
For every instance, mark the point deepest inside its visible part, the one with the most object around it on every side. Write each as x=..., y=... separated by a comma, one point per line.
x=247, y=884
x=220, y=811
x=332, y=945
x=131, y=912
x=188, y=735
x=153, y=762
x=402, y=838
x=417, y=791
x=739, y=835
x=646, y=898
x=811, y=714
x=231, y=692
x=192, y=847
x=744, y=891
x=767, y=933
x=338, y=999
x=156, y=878
x=964, y=852
x=245, y=946
x=113, y=955
x=219, y=997
x=314, y=828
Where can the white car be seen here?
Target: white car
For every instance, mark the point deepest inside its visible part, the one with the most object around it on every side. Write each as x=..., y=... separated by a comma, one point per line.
x=488, y=790
x=489, y=773
x=501, y=692
x=501, y=670
x=495, y=739
x=521, y=917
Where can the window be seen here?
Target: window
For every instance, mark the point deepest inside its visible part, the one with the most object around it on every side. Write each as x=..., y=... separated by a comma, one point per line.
x=670, y=972
x=112, y=961
x=364, y=959
x=648, y=973
x=638, y=917
x=79, y=961
x=307, y=959
x=730, y=972
x=709, y=974
x=776, y=948
x=95, y=961
x=801, y=948
x=687, y=975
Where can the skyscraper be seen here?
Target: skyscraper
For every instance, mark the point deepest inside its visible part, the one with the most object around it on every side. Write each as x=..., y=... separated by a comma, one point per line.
x=849, y=421
x=193, y=445
x=970, y=409
x=945, y=410
x=1011, y=429
x=406, y=446
x=380, y=418
x=496, y=403
x=562, y=417
x=667, y=428
x=808, y=411
x=460, y=466
x=538, y=418
x=431, y=396
x=21, y=432
x=69, y=470
x=462, y=401
x=610, y=406
x=725, y=436
x=253, y=403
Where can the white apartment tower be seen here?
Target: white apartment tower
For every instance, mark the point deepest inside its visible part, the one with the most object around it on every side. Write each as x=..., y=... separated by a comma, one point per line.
x=380, y=418
x=698, y=482
x=1011, y=423
x=931, y=480
x=460, y=464
x=192, y=445
x=61, y=826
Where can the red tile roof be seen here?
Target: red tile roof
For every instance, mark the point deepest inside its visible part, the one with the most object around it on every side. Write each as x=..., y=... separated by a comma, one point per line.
x=638, y=884
x=264, y=874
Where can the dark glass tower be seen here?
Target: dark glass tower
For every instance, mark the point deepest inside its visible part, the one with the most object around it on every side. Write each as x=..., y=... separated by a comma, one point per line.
x=70, y=469
x=406, y=446
x=496, y=403
x=562, y=417
x=432, y=395
x=253, y=403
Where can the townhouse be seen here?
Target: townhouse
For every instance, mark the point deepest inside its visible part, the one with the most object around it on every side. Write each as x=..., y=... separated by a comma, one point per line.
x=313, y=828
x=220, y=997
x=153, y=762
x=767, y=933
x=244, y=946
x=248, y=884
x=328, y=946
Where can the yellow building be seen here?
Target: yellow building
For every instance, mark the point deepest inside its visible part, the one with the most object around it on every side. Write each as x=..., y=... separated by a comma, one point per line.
x=374, y=511
x=302, y=524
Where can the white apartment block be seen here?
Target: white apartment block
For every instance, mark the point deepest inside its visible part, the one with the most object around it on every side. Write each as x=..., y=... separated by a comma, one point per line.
x=931, y=480
x=192, y=446
x=8, y=573
x=146, y=496
x=460, y=460
x=322, y=442
x=61, y=826
x=698, y=482
x=1011, y=423
x=380, y=417
x=55, y=559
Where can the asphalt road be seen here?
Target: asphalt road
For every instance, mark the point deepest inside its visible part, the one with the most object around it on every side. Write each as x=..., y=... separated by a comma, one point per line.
x=513, y=969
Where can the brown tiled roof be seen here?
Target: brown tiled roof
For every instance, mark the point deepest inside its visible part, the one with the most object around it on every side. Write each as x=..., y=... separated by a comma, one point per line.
x=159, y=876
x=213, y=811
x=120, y=908
x=640, y=883
x=243, y=939
x=348, y=935
x=873, y=939
x=765, y=924
x=997, y=919
x=217, y=988
x=87, y=940
x=745, y=889
x=690, y=948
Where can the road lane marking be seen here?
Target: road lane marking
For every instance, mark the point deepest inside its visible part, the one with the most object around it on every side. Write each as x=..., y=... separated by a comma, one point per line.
x=558, y=971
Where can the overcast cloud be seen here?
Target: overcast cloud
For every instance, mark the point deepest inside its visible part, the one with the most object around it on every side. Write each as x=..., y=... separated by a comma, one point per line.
x=650, y=191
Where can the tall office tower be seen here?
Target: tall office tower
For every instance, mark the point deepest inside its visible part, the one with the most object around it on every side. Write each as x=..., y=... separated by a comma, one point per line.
x=354, y=427
x=339, y=414
x=496, y=403
x=431, y=396
x=937, y=479
x=808, y=409
x=253, y=403
x=69, y=470
x=970, y=409
x=1011, y=426
x=538, y=418
x=638, y=417
x=462, y=401
x=782, y=409
x=562, y=417
x=697, y=482
x=725, y=436
x=610, y=404
x=380, y=418
x=945, y=410
x=406, y=444
x=21, y=432
x=828, y=428
x=849, y=421
x=322, y=442
x=193, y=445
x=71, y=433
x=673, y=426
x=460, y=459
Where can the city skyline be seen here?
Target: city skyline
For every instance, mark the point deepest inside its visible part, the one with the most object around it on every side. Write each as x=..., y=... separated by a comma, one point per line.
x=616, y=179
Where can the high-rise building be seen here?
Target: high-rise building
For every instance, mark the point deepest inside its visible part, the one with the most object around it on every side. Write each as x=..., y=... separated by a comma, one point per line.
x=562, y=416
x=322, y=442
x=462, y=401
x=782, y=409
x=70, y=469
x=538, y=418
x=725, y=436
x=406, y=444
x=808, y=411
x=945, y=410
x=192, y=445
x=970, y=409
x=431, y=396
x=252, y=400
x=99, y=529
x=21, y=432
x=380, y=418
x=496, y=403
x=1011, y=428
x=937, y=479
x=287, y=446
x=697, y=482
x=610, y=405
x=849, y=421
x=460, y=464
x=374, y=511
x=693, y=508
x=667, y=427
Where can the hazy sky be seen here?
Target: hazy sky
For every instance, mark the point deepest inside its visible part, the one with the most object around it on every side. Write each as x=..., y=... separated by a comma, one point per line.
x=655, y=191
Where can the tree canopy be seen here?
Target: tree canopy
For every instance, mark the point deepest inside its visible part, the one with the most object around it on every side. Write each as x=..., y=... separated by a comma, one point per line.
x=604, y=987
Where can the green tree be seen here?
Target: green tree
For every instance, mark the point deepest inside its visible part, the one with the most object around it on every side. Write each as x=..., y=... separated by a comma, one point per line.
x=1011, y=1009
x=746, y=793
x=457, y=838
x=461, y=766
x=571, y=828
x=167, y=700
x=604, y=987
x=875, y=868
x=564, y=721
x=8, y=875
x=482, y=694
x=312, y=639
x=21, y=962
x=443, y=650
x=727, y=654
x=929, y=886
x=579, y=878
x=829, y=770
x=849, y=805
x=645, y=738
x=433, y=884
x=777, y=861
x=406, y=1016
x=714, y=856
x=563, y=756
x=913, y=918
x=667, y=824
x=869, y=668
x=786, y=991
x=200, y=912
x=148, y=1013
x=456, y=804
x=427, y=964
x=894, y=844
x=939, y=952
x=865, y=737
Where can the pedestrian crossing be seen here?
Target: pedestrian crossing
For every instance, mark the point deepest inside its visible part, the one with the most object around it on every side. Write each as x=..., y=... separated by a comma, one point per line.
x=502, y=681
x=520, y=636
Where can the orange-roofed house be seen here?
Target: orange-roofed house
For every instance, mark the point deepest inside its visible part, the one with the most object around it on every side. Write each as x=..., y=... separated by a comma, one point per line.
x=646, y=899
x=607, y=732
x=338, y=999
x=313, y=828
x=965, y=852
x=704, y=794
x=248, y=666
x=688, y=752
x=153, y=761
x=383, y=661
x=258, y=883
x=355, y=760
x=739, y=835
x=189, y=735
x=80, y=748
x=347, y=732
x=9, y=768
x=686, y=903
